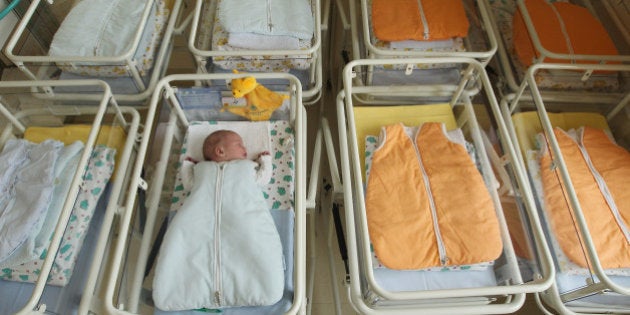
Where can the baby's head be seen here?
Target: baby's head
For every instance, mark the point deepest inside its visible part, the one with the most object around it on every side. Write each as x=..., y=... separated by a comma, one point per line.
x=224, y=145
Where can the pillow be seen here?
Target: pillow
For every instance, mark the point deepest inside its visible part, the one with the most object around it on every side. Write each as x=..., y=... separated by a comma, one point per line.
x=98, y=28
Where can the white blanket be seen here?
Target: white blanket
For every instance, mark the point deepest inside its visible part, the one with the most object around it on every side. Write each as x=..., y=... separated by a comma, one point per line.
x=222, y=248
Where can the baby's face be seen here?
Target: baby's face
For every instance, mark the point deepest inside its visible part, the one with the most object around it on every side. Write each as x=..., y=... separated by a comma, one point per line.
x=234, y=147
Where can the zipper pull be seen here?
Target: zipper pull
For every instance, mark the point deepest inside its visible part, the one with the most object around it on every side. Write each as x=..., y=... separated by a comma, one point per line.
x=217, y=298
x=444, y=260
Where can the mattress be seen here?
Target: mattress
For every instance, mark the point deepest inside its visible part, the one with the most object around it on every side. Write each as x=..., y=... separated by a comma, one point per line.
x=547, y=79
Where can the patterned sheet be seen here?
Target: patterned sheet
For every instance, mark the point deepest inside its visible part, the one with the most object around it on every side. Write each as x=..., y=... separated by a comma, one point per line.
x=279, y=192
x=503, y=11
x=144, y=56
x=100, y=168
x=210, y=21
x=370, y=146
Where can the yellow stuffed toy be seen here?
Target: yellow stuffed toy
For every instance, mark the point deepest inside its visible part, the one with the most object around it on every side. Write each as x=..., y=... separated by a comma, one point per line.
x=261, y=102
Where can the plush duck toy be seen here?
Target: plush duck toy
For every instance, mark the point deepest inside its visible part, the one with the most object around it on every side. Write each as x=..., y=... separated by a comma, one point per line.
x=261, y=102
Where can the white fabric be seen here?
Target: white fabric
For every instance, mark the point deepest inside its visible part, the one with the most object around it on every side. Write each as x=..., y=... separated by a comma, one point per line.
x=222, y=248
x=65, y=168
x=98, y=28
x=263, y=42
x=26, y=191
x=269, y=17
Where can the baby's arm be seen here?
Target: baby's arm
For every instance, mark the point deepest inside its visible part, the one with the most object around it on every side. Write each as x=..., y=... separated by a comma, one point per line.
x=263, y=174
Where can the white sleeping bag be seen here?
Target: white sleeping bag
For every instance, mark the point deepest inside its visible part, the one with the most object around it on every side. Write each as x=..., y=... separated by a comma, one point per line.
x=222, y=248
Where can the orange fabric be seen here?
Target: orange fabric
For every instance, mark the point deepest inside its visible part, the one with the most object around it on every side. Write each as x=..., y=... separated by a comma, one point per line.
x=587, y=35
x=400, y=220
x=613, y=164
x=396, y=20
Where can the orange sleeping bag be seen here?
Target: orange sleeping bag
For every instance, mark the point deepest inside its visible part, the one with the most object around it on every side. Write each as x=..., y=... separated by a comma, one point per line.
x=602, y=190
x=396, y=20
x=562, y=28
x=426, y=202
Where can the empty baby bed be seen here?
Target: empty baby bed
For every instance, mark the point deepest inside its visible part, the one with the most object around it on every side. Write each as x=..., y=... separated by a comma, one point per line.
x=135, y=280
x=406, y=260
x=567, y=32
x=573, y=149
x=252, y=36
x=125, y=43
x=413, y=29
x=64, y=165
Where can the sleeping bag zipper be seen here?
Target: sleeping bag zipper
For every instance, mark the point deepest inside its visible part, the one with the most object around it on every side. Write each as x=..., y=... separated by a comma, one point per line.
x=603, y=188
x=436, y=225
x=423, y=17
x=269, y=23
x=217, y=236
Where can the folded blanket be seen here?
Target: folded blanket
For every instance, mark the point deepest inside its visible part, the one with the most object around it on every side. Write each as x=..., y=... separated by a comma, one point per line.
x=270, y=17
x=396, y=20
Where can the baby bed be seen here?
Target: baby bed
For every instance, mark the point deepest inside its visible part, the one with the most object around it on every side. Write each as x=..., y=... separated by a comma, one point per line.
x=88, y=146
x=560, y=31
x=444, y=289
x=183, y=117
x=222, y=39
x=458, y=28
x=596, y=287
x=125, y=43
